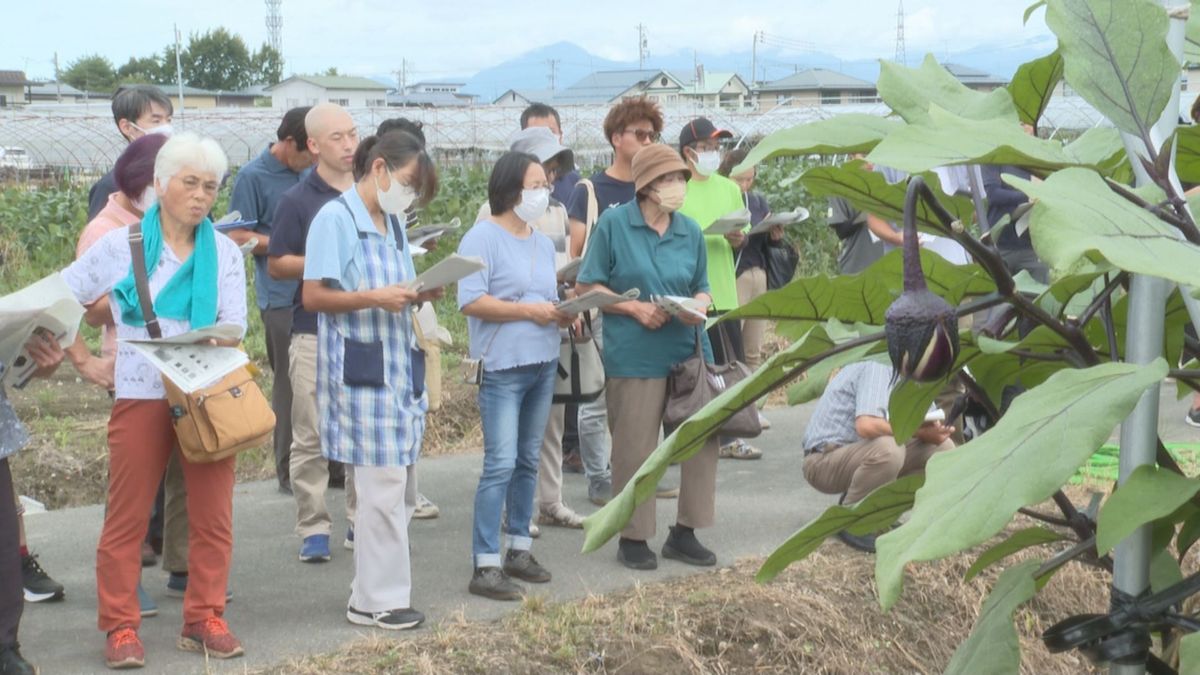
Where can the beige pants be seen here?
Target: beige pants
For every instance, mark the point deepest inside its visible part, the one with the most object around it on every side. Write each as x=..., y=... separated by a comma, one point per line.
x=175, y=517
x=751, y=284
x=549, y=484
x=382, y=570
x=859, y=468
x=309, y=469
x=635, y=410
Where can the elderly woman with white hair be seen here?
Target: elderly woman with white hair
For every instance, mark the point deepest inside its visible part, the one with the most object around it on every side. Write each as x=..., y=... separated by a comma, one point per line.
x=197, y=279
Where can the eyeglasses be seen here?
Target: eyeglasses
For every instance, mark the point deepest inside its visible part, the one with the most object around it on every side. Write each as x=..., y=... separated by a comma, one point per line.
x=643, y=135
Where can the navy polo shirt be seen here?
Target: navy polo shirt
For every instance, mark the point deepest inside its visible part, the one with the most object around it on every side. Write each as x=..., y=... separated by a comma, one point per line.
x=289, y=231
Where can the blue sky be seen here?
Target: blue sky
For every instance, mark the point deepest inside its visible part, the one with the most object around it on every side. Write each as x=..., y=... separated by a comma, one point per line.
x=459, y=37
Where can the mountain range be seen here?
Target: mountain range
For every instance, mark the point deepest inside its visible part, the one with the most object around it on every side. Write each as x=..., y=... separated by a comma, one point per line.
x=571, y=63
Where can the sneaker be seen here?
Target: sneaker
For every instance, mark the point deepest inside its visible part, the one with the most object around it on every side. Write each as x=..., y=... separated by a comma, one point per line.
x=740, y=449
x=560, y=515
x=572, y=463
x=666, y=490
x=1192, y=418
x=636, y=555
x=600, y=491
x=864, y=543
x=123, y=649
x=535, y=532
x=146, y=604
x=492, y=582
x=522, y=565
x=12, y=663
x=348, y=544
x=426, y=510
x=393, y=619
x=285, y=489
x=177, y=586
x=763, y=421
x=315, y=548
x=149, y=557
x=39, y=587
x=683, y=546
x=210, y=637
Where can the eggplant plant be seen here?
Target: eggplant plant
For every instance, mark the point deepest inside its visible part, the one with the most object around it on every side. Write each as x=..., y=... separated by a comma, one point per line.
x=1102, y=233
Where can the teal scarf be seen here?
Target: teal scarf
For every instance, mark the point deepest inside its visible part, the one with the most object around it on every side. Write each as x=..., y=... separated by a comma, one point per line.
x=191, y=293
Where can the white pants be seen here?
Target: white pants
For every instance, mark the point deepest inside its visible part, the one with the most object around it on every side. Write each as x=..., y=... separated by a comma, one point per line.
x=387, y=497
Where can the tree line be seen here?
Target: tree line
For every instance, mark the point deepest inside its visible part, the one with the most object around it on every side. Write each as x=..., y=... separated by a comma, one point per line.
x=216, y=60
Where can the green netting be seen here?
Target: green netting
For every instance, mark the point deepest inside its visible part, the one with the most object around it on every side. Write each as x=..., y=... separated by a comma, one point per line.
x=1102, y=467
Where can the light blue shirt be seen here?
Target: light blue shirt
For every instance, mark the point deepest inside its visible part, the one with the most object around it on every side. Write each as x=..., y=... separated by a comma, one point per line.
x=332, y=252
x=518, y=270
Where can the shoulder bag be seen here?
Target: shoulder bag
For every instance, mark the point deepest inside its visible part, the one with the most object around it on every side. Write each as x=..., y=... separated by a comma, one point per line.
x=580, y=376
x=219, y=420
x=694, y=383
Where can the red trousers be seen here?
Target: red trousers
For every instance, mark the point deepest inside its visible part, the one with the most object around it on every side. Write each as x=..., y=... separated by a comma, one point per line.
x=140, y=440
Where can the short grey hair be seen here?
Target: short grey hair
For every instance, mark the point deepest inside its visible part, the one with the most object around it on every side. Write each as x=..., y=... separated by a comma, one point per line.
x=189, y=150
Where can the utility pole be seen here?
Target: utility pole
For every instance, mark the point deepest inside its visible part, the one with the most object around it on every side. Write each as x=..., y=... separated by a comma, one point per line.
x=901, y=58
x=754, y=58
x=57, y=78
x=553, y=76
x=178, y=70
x=643, y=47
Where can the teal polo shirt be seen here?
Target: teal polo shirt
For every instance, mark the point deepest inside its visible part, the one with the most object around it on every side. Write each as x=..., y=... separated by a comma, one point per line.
x=624, y=253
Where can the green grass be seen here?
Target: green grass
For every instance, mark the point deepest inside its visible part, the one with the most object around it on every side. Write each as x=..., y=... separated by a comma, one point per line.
x=1103, y=466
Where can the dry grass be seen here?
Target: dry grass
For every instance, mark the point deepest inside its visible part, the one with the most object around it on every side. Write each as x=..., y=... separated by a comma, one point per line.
x=820, y=616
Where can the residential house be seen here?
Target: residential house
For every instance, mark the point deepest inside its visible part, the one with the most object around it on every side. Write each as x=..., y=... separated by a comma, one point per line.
x=524, y=97
x=12, y=87
x=49, y=92
x=815, y=86
x=346, y=91
x=974, y=78
x=431, y=95
x=611, y=86
x=717, y=90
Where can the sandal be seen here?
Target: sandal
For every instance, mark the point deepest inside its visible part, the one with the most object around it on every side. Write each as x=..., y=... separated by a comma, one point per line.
x=740, y=449
x=560, y=515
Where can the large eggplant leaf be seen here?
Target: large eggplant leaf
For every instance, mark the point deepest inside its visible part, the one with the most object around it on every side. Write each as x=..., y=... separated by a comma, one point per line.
x=1189, y=653
x=972, y=492
x=812, y=385
x=1117, y=58
x=911, y=91
x=1149, y=493
x=993, y=647
x=1019, y=541
x=910, y=400
x=1174, y=320
x=863, y=297
x=692, y=434
x=876, y=511
x=948, y=139
x=1033, y=8
x=1033, y=84
x=1101, y=147
x=1077, y=216
x=869, y=191
x=840, y=135
x=1191, y=41
x=1187, y=151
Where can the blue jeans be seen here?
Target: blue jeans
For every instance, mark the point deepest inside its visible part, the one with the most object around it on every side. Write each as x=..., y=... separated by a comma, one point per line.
x=515, y=406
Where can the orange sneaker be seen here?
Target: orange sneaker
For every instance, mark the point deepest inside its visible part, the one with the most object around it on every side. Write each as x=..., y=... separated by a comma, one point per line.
x=124, y=649
x=210, y=636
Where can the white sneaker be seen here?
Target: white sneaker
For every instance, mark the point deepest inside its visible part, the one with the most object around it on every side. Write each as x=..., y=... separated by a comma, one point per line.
x=426, y=510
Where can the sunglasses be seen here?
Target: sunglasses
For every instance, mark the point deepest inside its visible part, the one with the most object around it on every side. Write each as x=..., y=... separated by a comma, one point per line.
x=642, y=135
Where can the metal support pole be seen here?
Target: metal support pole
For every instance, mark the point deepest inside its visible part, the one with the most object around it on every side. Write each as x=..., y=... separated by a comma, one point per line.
x=1147, y=307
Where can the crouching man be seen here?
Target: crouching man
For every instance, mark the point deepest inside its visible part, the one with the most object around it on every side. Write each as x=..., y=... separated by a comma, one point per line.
x=848, y=445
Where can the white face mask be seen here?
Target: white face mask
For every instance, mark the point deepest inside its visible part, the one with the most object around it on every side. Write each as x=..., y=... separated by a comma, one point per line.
x=533, y=204
x=396, y=199
x=671, y=196
x=164, y=129
x=708, y=162
x=147, y=199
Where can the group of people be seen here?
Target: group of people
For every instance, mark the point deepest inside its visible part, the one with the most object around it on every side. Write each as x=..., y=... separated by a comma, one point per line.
x=324, y=215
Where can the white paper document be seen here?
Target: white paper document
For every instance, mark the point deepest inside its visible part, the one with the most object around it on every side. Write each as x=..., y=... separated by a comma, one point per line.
x=730, y=222
x=193, y=366
x=595, y=300
x=678, y=304
x=422, y=234
x=48, y=304
x=570, y=270
x=449, y=270
x=785, y=218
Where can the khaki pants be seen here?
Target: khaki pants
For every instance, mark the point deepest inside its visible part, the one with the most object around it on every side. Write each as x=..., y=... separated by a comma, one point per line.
x=635, y=410
x=175, y=517
x=277, y=324
x=309, y=469
x=859, y=468
x=549, y=485
x=751, y=284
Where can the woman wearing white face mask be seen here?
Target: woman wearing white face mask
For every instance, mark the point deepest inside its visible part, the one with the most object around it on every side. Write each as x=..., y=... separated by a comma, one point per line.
x=513, y=324
x=370, y=373
x=650, y=245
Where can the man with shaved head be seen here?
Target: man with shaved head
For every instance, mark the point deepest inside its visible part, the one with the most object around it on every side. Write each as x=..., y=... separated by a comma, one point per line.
x=332, y=140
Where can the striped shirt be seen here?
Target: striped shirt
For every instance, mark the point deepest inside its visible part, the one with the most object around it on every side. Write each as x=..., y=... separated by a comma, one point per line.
x=861, y=388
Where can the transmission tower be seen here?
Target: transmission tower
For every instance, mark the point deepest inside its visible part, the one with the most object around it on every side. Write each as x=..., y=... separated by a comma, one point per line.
x=900, y=56
x=275, y=25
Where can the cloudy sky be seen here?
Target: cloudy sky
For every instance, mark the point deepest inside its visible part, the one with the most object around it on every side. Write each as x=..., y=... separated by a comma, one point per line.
x=459, y=37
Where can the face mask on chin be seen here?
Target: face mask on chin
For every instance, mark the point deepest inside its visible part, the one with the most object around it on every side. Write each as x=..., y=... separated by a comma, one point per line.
x=396, y=199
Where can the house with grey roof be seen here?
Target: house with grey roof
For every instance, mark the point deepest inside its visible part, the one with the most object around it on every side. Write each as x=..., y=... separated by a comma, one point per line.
x=346, y=91
x=12, y=87
x=717, y=90
x=973, y=78
x=815, y=86
x=431, y=95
